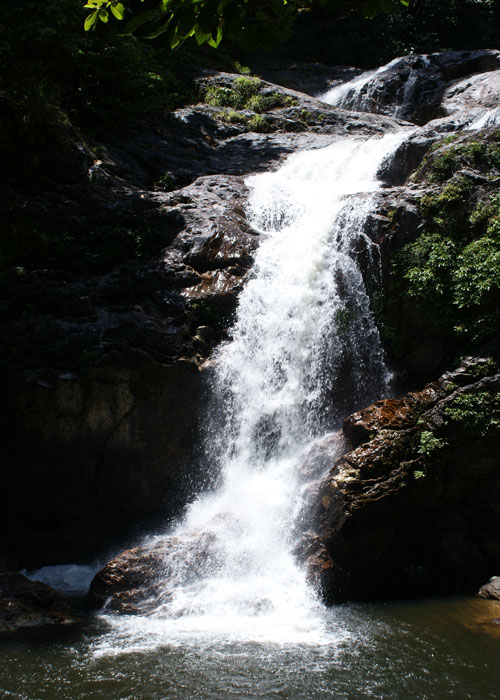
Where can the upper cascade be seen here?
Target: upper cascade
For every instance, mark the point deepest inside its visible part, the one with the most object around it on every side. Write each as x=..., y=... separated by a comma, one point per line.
x=418, y=89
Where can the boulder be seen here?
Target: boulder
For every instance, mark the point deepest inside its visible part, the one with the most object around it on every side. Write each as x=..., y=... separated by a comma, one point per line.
x=413, y=509
x=25, y=603
x=491, y=589
x=141, y=579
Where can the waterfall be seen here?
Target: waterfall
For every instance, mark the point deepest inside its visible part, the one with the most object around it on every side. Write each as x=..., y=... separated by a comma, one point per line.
x=351, y=93
x=304, y=350
x=363, y=93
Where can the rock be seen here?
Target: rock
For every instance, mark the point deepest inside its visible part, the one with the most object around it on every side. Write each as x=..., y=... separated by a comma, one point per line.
x=472, y=94
x=310, y=78
x=25, y=603
x=413, y=509
x=216, y=244
x=412, y=87
x=491, y=589
x=127, y=581
x=140, y=579
x=102, y=409
x=79, y=447
x=389, y=414
x=405, y=212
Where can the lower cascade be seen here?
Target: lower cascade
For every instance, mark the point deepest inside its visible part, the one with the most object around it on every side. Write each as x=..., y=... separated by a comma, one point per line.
x=304, y=351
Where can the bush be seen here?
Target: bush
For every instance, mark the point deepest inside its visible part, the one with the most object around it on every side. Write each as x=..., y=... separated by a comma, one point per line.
x=430, y=444
x=476, y=413
x=452, y=270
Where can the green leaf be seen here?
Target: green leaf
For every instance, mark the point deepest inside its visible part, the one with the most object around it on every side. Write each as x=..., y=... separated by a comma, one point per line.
x=103, y=16
x=201, y=36
x=118, y=10
x=90, y=20
x=214, y=42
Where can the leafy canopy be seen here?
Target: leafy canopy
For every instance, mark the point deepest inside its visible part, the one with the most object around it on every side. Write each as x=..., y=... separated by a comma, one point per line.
x=251, y=23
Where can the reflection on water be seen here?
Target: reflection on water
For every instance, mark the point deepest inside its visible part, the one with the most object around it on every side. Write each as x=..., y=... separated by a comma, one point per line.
x=424, y=649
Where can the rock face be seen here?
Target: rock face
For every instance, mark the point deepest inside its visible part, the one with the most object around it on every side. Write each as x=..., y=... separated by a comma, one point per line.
x=90, y=466
x=25, y=603
x=105, y=416
x=414, y=508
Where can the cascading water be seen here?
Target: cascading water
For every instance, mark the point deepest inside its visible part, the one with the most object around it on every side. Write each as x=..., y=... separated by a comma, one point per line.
x=233, y=616
x=363, y=93
x=350, y=94
x=304, y=350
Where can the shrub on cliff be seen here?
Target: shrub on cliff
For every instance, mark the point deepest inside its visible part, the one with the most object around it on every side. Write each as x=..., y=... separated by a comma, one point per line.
x=447, y=280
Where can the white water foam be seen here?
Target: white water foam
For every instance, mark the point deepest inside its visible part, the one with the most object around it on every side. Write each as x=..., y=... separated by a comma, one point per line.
x=304, y=346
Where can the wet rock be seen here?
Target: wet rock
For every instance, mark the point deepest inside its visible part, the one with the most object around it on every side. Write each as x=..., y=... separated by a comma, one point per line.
x=129, y=579
x=406, y=159
x=491, y=589
x=412, y=88
x=472, y=94
x=389, y=414
x=141, y=579
x=215, y=248
x=25, y=603
x=321, y=454
x=412, y=510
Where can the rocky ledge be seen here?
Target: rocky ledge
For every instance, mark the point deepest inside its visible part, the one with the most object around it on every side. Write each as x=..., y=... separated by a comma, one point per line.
x=413, y=509
x=491, y=590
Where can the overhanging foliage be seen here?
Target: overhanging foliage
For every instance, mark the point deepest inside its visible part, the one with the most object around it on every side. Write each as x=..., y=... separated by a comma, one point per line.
x=251, y=23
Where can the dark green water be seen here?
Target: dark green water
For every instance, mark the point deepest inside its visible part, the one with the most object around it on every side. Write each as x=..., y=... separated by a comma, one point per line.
x=425, y=649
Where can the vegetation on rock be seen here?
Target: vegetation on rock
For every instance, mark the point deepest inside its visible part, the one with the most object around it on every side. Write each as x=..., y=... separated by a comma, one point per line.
x=450, y=273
